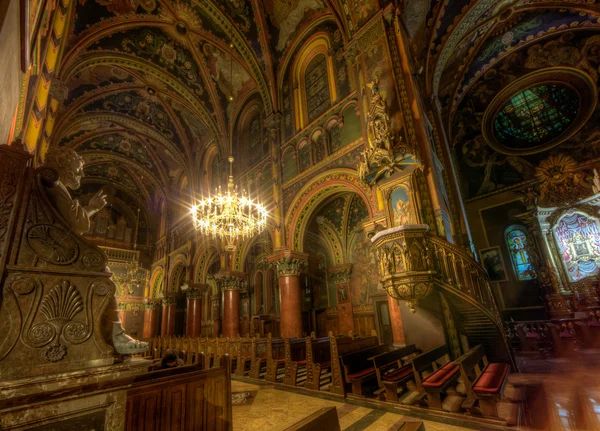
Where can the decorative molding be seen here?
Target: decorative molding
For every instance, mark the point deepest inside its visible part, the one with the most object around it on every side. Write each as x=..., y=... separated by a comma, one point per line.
x=288, y=263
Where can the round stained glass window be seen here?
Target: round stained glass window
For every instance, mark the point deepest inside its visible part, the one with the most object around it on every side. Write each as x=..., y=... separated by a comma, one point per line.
x=536, y=116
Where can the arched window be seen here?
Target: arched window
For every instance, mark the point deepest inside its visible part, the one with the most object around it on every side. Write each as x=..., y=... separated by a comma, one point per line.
x=304, y=157
x=517, y=243
x=317, y=87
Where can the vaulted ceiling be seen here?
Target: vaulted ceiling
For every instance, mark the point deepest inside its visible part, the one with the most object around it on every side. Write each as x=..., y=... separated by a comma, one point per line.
x=153, y=85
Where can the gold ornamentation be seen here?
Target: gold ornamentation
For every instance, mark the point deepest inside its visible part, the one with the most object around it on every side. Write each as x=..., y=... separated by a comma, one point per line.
x=560, y=184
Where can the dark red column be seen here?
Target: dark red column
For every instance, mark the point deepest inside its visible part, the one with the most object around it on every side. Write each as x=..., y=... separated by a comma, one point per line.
x=167, y=327
x=230, y=283
x=396, y=321
x=193, y=326
x=289, y=265
x=150, y=318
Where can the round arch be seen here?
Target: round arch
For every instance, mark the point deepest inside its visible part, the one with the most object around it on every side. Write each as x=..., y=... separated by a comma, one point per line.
x=314, y=193
x=157, y=283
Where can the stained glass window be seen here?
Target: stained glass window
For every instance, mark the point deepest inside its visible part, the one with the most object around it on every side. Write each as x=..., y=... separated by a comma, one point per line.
x=536, y=116
x=516, y=241
x=578, y=238
x=317, y=87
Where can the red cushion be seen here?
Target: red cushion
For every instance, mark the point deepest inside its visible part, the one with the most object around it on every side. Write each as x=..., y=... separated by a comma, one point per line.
x=491, y=380
x=531, y=334
x=441, y=376
x=361, y=373
x=324, y=364
x=303, y=361
x=565, y=334
x=399, y=374
x=593, y=323
x=280, y=360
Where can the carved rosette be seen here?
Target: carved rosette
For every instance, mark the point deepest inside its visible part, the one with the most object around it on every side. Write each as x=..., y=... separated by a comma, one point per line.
x=288, y=263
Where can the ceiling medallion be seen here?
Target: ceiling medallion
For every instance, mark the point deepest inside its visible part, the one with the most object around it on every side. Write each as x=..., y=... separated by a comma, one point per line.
x=539, y=111
x=228, y=216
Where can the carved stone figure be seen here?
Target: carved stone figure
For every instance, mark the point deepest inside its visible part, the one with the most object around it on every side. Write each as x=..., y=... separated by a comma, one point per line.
x=69, y=166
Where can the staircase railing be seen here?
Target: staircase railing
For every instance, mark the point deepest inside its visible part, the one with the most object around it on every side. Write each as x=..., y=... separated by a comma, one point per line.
x=409, y=257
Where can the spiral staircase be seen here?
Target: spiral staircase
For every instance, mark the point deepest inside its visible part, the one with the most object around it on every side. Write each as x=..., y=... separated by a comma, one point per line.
x=414, y=263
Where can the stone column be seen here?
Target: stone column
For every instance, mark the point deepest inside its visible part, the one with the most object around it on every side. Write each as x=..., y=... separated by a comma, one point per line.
x=341, y=280
x=150, y=318
x=167, y=327
x=193, y=324
x=245, y=311
x=216, y=316
x=396, y=321
x=288, y=265
x=230, y=283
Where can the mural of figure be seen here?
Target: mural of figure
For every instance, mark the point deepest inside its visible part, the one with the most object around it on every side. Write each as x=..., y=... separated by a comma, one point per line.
x=400, y=207
x=342, y=294
x=69, y=166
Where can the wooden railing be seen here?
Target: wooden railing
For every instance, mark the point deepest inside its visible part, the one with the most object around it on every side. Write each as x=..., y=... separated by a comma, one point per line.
x=120, y=254
x=411, y=254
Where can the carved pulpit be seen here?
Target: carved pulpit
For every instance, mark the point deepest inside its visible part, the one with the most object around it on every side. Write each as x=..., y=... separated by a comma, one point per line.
x=55, y=286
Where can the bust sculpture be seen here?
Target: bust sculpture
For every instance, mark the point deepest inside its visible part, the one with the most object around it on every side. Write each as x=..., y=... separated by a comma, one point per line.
x=69, y=166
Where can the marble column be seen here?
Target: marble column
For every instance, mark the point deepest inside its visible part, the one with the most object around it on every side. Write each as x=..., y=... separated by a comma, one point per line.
x=215, y=304
x=288, y=266
x=245, y=311
x=167, y=327
x=150, y=318
x=193, y=324
x=230, y=283
x=341, y=280
x=396, y=322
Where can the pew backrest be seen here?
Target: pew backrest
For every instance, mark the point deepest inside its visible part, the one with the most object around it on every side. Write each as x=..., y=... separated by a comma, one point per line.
x=429, y=360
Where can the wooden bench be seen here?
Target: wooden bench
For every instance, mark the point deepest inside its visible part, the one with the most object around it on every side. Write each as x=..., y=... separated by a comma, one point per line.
x=393, y=370
x=318, y=359
x=244, y=356
x=345, y=346
x=440, y=379
x=484, y=382
x=323, y=419
x=295, y=359
x=359, y=370
x=275, y=358
x=258, y=358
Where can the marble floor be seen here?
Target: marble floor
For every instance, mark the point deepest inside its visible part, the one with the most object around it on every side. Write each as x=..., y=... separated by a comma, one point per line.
x=270, y=409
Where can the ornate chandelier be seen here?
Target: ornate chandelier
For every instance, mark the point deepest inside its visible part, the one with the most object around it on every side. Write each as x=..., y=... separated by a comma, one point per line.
x=229, y=216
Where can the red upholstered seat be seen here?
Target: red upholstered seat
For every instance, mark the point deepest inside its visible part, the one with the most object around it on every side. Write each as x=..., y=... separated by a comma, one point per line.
x=361, y=373
x=593, y=322
x=491, y=380
x=303, y=361
x=280, y=360
x=325, y=364
x=531, y=334
x=441, y=376
x=399, y=374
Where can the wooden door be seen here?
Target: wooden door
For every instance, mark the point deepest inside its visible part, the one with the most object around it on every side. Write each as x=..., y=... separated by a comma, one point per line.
x=384, y=323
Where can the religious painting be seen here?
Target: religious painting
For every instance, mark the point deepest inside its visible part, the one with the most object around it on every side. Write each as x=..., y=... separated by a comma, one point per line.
x=364, y=279
x=342, y=294
x=400, y=207
x=492, y=261
x=578, y=238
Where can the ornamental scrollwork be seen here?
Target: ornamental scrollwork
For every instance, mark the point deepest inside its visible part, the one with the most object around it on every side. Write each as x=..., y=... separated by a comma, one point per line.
x=287, y=266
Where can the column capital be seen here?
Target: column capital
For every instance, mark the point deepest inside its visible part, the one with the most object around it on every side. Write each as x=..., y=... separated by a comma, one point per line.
x=151, y=305
x=287, y=262
x=168, y=300
x=230, y=280
x=340, y=273
x=194, y=293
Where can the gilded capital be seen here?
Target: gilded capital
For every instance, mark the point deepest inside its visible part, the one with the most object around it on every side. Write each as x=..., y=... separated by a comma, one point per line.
x=194, y=293
x=230, y=280
x=151, y=305
x=168, y=300
x=288, y=263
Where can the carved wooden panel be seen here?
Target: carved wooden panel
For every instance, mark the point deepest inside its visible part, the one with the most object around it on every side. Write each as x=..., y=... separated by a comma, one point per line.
x=143, y=411
x=173, y=407
x=196, y=405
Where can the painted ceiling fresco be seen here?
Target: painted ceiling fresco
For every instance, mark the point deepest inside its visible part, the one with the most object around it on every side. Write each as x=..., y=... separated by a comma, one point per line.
x=157, y=83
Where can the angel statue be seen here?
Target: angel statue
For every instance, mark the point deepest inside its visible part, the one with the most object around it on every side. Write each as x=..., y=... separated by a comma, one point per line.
x=69, y=166
x=379, y=123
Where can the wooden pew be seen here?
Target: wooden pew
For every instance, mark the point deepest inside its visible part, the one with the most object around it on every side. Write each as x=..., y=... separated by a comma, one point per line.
x=318, y=359
x=440, y=379
x=244, y=356
x=258, y=357
x=358, y=367
x=275, y=357
x=323, y=419
x=393, y=370
x=338, y=350
x=295, y=359
x=483, y=381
